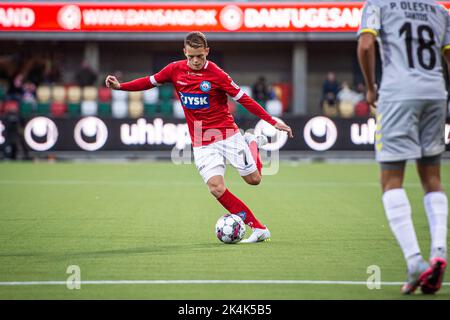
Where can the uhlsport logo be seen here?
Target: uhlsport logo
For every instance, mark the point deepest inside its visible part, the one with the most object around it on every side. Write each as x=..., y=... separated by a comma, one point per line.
x=320, y=133
x=194, y=100
x=205, y=86
x=90, y=133
x=41, y=133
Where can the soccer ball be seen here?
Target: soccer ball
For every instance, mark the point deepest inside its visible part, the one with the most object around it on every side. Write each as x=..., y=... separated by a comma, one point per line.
x=230, y=228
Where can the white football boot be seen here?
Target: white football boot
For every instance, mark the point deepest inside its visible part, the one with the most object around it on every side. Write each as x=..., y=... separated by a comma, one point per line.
x=258, y=235
x=260, y=140
x=415, y=277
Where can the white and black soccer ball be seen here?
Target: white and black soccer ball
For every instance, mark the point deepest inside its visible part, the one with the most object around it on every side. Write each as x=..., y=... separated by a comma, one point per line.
x=230, y=228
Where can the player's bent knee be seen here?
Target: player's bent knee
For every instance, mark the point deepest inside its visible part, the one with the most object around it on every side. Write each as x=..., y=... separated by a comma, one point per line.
x=253, y=179
x=216, y=187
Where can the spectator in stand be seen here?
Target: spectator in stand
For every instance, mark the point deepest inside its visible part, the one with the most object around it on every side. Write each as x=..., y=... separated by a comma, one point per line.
x=86, y=76
x=29, y=92
x=52, y=72
x=330, y=106
x=360, y=92
x=261, y=91
x=15, y=90
x=330, y=88
x=346, y=94
x=347, y=99
x=36, y=69
x=362, y=107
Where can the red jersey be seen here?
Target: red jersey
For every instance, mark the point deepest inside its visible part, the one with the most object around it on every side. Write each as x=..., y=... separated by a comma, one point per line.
x=203, y=95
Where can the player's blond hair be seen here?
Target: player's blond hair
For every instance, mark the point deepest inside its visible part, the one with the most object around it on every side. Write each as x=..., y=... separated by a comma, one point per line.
x=195, y=39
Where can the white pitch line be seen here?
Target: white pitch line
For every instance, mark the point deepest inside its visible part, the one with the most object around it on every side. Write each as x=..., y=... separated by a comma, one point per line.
x=152, y=282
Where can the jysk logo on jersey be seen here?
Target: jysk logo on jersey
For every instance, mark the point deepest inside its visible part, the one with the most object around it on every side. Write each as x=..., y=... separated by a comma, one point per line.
x=194, y=100
x=205, y=86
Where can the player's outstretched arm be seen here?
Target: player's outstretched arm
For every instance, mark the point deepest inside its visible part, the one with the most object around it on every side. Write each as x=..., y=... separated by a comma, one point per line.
x=135, y=85
x=366, y=58
x=252, y=106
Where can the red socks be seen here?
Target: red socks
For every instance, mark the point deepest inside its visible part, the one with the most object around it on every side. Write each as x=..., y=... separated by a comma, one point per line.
x=235, y=206
x=255, y=154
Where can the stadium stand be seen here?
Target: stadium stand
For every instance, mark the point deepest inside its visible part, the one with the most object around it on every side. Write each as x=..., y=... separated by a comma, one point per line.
x=362, y=109
x=74, y=94
x=104, y=102
x=58, y=94
x=274, y=107
x=178, y=109
x=135, y=105
x=346, y=109
x=26, y=108
x=90, y=93
x=283, y=92
x=104, y=95
x=151, y=101
x=10, y=106
x=58, y=109
x=166, y=94
x=72, y=101
x=330, y=109
x=119, y=109
x=136, y=109
x=119, y=105
x=2, y=92
x=43, y=94
x=89, y=106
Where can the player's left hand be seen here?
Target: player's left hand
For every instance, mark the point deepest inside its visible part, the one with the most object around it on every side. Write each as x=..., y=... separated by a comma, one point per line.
x=283, y=127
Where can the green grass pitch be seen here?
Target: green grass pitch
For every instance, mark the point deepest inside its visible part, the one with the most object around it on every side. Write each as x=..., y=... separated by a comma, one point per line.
x=155, y=221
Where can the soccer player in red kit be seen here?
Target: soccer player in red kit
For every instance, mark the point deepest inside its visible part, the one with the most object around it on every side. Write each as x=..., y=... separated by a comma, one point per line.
x=202, y=88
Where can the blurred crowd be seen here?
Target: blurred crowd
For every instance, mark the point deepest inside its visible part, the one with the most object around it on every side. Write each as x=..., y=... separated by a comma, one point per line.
x=20, y=76
x=343, y=100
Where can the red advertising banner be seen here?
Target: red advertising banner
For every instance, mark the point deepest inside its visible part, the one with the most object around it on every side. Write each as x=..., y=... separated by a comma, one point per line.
x=179, y=17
